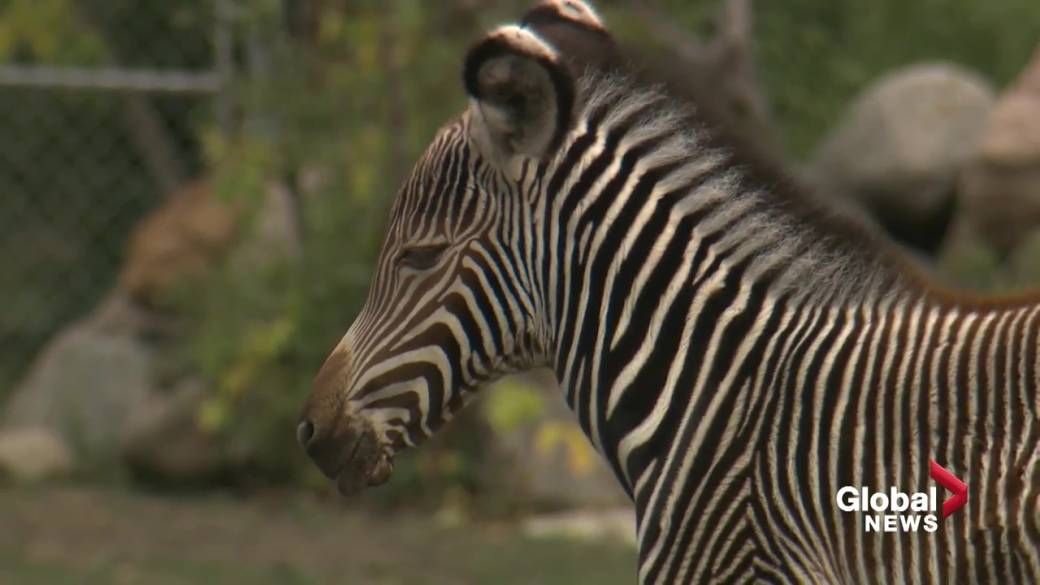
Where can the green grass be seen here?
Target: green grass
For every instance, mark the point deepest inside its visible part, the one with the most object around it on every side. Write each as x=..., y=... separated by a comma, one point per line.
x=78, y=535
x=514, y=561
x=156, y=571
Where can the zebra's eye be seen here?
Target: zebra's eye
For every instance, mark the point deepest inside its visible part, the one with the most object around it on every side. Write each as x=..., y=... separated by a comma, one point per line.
x=421, y=257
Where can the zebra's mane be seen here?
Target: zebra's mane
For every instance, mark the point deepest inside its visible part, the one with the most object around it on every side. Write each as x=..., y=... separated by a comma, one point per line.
x=817, y=249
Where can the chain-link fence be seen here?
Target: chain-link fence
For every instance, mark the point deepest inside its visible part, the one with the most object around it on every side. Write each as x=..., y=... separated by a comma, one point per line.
x=102, y=105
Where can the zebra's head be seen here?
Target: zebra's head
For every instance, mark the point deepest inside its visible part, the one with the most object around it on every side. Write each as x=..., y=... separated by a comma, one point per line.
x=454, y=302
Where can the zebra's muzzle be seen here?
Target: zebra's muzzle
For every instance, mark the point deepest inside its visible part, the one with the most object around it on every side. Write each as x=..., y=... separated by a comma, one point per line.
x=367, y=465
x=340, y=440
x=348, y=452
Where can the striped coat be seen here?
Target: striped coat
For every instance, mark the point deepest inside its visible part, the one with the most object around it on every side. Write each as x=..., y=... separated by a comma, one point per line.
x=736, y=351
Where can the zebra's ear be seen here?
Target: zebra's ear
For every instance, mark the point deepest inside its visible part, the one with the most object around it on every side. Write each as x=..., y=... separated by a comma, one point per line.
x=575, y=12
x=577, y=33
x=521, y=95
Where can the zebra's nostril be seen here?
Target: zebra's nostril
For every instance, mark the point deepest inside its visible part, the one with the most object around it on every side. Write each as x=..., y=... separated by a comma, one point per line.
x=304, y=433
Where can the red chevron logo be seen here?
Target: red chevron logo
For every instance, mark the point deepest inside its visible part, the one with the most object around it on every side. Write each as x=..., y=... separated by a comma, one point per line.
x=960, y=490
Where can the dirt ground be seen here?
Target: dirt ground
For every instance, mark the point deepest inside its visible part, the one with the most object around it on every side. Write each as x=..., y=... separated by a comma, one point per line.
x=97, y=535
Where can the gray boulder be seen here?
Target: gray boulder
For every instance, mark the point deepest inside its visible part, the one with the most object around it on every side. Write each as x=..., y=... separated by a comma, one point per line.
x=164, y=441
x=899, y=148
x=1000, y=187
x=32, y=454
x=87, y=382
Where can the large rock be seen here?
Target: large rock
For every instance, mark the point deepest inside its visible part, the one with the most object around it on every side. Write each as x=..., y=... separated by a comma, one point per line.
x=88, y=381
x=196, y=231
x=101, y=384
x=182, y=239
x=1000, y=188
x=165, y=443
x=899, y=148
x=33, y=453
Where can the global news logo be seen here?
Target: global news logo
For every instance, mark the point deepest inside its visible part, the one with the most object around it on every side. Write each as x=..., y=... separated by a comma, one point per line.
x=897, y=511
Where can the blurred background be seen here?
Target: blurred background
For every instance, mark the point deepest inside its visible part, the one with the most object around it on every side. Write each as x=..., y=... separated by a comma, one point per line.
x=192, y=194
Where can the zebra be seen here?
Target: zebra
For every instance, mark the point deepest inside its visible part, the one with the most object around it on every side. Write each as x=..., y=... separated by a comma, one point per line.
x=733, y=349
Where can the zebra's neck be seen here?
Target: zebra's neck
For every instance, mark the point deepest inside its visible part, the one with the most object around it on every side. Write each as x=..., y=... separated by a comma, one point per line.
x=664, y=261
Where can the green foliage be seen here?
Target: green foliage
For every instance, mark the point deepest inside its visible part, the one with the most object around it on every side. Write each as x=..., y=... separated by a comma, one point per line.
x=47, y=30
x=969, y=262
x=513, y=403
x=329, y=107
x=259, y=334
x=1025, y=261
x=815, y=55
